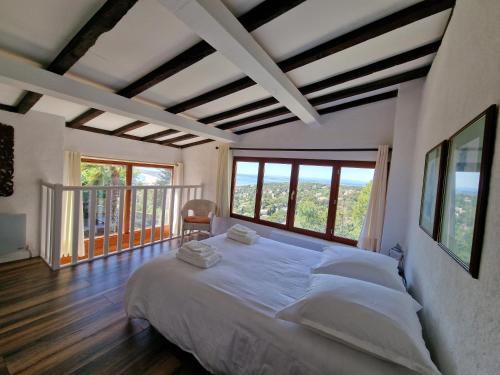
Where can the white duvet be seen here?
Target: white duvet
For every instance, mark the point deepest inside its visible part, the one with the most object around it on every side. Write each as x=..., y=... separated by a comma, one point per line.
x=224, y=315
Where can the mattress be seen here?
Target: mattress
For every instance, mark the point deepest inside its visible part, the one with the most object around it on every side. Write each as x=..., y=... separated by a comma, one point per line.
x=224, y=315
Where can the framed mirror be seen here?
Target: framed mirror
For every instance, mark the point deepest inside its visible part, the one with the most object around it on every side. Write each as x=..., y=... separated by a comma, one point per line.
x=430, y=202
x=466, y=185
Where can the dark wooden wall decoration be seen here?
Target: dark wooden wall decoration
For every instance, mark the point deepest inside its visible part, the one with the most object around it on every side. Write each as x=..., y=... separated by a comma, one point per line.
x=6, y=160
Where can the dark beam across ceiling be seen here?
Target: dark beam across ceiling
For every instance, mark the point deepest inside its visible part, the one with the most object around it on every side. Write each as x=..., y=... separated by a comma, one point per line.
x=8, y=108
x=372, y=30
x=163, y=133
x=126, y=136
x=332, y=81
x=102, y=21
x=252, y=20
x=129, y=127
x=337, y=95
x=202, y=142
x=335, y=108
x=180, y=138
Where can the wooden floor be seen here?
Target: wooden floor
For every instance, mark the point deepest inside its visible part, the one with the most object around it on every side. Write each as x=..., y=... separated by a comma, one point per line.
x=73, y=322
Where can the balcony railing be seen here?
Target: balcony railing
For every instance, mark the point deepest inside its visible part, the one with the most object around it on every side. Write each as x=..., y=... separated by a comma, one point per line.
x=82, y=223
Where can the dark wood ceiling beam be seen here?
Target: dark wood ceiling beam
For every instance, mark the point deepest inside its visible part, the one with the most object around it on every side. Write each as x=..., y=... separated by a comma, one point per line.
x=129, y=127
x=126, y=136
x=372, y=30
x=252, y=20
x=202, y=142
x=157, y=135
x=338, y=95
x=335, y=108
x=372, y=86
x=248, y=120
x=101, y=22
x=79, y=121
x=239, y=110
x=332, y=81
x=184, y=137
x=359, y=102
x=8, y=108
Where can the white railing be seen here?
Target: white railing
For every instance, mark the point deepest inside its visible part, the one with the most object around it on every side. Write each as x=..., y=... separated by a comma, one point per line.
x=104, y=220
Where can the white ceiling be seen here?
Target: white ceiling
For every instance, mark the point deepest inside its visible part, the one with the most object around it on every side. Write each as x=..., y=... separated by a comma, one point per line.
x=149, y=35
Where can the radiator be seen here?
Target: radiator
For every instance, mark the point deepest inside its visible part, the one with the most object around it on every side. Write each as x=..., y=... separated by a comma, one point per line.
x=12, y=232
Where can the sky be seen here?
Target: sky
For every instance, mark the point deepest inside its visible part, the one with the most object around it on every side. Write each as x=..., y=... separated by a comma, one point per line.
x=306, y=171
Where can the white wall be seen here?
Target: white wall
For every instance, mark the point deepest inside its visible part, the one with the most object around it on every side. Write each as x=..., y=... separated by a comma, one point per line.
x=99, y=145
x=38, y=149
x=461, y=315
x=200, y=167
x=400, y=174
x=362, y=127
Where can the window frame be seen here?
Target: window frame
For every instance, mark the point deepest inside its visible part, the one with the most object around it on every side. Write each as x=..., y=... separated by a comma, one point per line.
x=336, y=165
x=128, y=179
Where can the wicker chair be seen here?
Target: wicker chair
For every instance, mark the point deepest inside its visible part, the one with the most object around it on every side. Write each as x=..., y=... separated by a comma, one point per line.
x=197, y=214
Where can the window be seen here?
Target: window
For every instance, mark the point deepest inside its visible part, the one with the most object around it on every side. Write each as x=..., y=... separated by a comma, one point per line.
x=321, y=198
x=97, y=172
x=245, y=189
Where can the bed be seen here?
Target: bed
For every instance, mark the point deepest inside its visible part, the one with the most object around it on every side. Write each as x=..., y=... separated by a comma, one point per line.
x=224, y=315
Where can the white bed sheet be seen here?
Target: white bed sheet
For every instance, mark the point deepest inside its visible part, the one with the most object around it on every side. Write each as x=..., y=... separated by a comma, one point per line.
x=224, y=315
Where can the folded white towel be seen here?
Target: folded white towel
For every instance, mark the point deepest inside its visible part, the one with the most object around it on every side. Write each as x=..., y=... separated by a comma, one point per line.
x=203, y=254
x=199, y=261
x=248, y=239
x=241, y=229
x=196, y=246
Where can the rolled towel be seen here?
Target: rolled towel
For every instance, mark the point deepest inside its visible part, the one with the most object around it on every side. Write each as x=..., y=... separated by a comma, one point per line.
x=248, y=239
x=199, y=261
x=241, y=230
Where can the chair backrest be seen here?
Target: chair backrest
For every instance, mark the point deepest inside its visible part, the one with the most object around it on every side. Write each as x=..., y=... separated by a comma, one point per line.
x=199, y=207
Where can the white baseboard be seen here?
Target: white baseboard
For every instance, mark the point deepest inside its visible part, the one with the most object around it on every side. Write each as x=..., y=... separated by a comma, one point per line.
x=15, y=255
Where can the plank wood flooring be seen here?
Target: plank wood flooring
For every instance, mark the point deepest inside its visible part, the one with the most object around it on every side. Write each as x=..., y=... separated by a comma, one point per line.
x=72, y=321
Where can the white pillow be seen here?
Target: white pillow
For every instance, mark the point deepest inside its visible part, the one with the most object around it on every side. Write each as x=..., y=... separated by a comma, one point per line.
x=366, y=316
x=361, y=264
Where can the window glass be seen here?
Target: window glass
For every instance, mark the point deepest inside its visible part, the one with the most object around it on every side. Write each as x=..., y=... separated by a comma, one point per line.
x=313, y=197
x=99, y=174
x=245, y=188
x=275, y=192
x=354, y=193
x=148, y=176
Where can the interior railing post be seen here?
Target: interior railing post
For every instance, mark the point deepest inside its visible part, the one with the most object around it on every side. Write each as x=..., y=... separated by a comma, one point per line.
x=120, y=221
x=75, y=240
x=92, y=203
x=153, y=219
x=163, y=207
x=107, y=219
x=132, y=218
x=57, y=227
x=144, y=214
x=171, y=212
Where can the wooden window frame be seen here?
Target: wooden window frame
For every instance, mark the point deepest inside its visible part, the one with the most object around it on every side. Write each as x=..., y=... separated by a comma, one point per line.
x=336, y=165
x=128, y=180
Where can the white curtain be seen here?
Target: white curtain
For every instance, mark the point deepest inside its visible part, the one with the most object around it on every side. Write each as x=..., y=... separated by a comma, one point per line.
x=71, y=177
x=371, y=233
x=223, y=189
